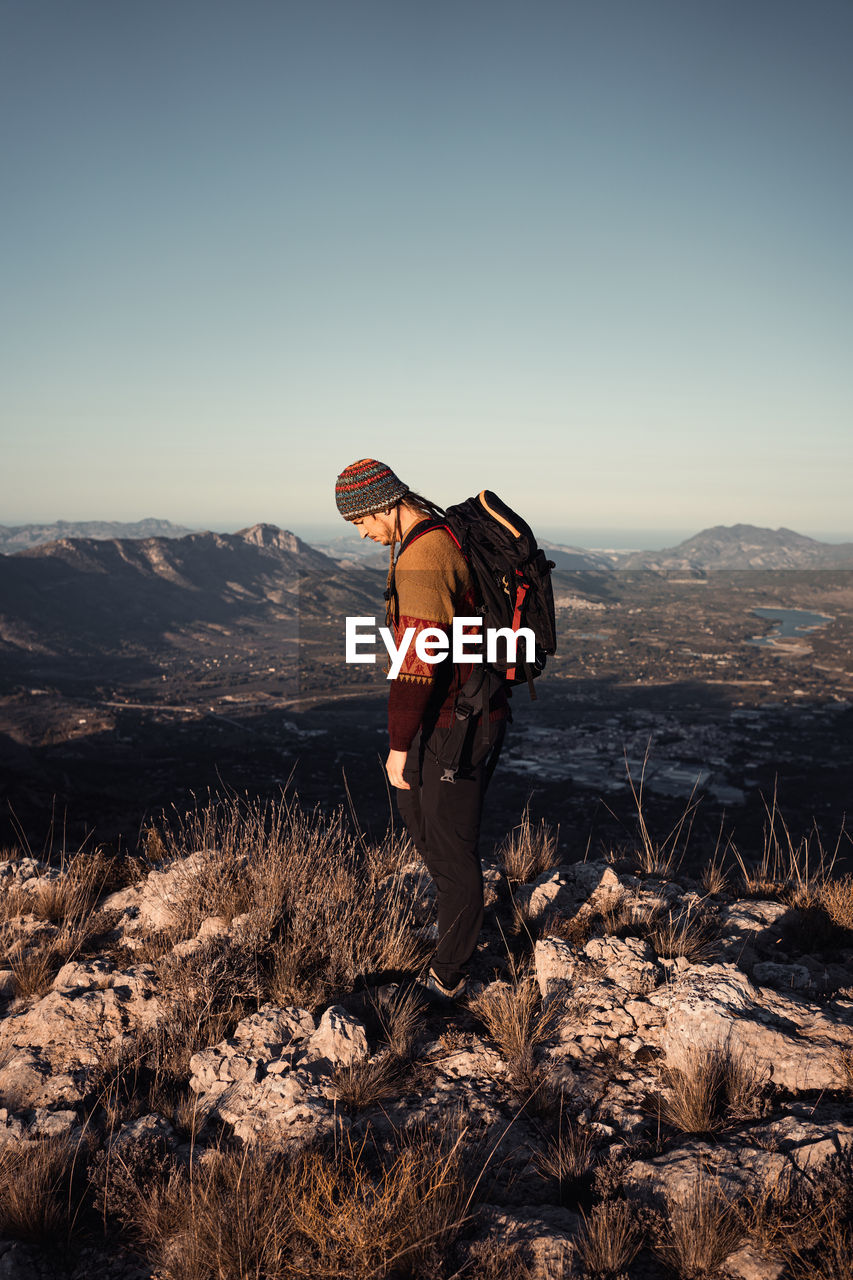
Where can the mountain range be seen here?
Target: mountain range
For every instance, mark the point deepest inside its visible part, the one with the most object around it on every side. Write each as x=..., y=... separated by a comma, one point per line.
x=738, y=546
x=87, y=595
x=23, y=536
x=745, y=546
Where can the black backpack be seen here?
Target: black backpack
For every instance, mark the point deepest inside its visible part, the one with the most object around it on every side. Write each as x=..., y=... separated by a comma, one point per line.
x=512, y=578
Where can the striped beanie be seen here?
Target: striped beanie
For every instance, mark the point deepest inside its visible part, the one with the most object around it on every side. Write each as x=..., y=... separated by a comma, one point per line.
x=365, y=487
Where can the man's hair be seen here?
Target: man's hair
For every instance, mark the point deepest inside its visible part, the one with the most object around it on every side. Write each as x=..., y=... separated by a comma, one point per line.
x=423, y=504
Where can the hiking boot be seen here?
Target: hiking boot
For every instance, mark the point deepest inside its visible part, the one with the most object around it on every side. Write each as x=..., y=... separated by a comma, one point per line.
x=437, y=991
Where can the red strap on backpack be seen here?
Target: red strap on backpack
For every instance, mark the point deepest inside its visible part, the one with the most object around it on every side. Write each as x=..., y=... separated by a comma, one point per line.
x=523, y=588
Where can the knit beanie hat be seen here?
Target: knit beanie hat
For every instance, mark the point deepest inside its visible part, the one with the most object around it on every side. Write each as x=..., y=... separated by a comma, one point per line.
x=367, y=486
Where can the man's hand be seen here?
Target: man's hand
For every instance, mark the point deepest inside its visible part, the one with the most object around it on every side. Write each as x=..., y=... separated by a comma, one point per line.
x=394, y=768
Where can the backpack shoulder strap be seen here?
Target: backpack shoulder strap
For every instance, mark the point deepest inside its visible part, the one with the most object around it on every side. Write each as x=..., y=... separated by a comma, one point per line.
x=427, y=527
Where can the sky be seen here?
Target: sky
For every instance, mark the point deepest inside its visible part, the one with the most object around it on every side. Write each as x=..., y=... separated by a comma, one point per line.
x=594, y=255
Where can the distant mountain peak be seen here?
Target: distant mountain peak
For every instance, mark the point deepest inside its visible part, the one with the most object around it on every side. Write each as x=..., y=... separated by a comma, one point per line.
x=269, y=535
x=744, y=546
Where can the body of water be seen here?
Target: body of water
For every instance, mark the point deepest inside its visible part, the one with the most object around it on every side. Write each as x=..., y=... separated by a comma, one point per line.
x=790, y=624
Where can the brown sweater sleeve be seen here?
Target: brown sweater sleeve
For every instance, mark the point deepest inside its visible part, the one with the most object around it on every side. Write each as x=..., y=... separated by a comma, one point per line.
x=433, y=586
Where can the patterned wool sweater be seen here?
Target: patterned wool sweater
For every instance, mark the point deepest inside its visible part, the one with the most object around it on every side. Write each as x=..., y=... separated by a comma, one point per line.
x=432, y=585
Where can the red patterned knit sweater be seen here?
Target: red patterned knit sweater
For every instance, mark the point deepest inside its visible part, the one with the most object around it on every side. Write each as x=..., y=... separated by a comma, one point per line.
x=433, y=585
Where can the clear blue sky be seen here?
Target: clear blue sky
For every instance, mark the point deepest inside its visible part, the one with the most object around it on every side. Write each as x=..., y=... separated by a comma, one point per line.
x=596, y=256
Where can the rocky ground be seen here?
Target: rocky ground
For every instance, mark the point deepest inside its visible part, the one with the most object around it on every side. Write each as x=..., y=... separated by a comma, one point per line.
x=650, y=1076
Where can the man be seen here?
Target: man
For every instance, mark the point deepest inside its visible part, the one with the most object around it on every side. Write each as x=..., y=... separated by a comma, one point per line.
x=429, y=584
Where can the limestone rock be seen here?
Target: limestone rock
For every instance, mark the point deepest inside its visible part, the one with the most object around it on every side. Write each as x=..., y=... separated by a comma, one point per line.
x=150, y=1126
x=154, y=903
x=555, y=962
x=630, y=963
x=212, y=927
x=748, y=1263
x=563, y=889
x=80, y=976
x=744, y=1162
x=274, y=1029
x=52, y=1046
x=339, y=1041
x=796, y=1042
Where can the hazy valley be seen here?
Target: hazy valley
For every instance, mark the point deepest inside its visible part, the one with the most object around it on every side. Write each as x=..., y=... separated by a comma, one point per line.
x=139, y=672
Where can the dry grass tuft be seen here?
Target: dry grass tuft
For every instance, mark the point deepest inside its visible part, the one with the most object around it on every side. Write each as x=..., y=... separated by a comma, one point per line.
x=576, y=929
x=400, y=1012
x=712, y=1088
x=66, y=895
x=513, y=1014
x=701, y=1230
x=231, y=1216
x=34, y=1190
x=715, y=879
x=43, y=925
x=836, y=898
x=366, y=1083
x=493, y=1259
x=660, y=858
x=795, y=871
x=569, y=1157
x=776, y=1216
x=529, y=850
x=688, y=932
x=394, y=1221
x=610, y=1240
x=69, y=897
x=389, y=855
x=35, y=966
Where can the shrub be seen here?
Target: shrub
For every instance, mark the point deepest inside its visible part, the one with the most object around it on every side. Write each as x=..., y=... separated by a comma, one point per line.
x=351, y=1212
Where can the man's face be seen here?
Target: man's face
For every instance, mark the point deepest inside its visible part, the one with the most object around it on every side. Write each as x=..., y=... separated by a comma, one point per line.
x=378, y=528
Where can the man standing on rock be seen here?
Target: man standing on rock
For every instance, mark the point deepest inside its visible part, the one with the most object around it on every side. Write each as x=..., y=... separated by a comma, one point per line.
x=429, y=584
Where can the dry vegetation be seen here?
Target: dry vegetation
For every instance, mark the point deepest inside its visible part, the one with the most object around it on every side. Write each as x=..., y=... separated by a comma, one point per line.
x=611, y=1238
x=318, y=914
x=711, y=1089
x=35, y=1191
x=689, y=932
x=45, y=924
x=700, y=1231
x=353, y=1210
x=514, y=1016
x=659, y=857
x=307, y=888
x=529, y=850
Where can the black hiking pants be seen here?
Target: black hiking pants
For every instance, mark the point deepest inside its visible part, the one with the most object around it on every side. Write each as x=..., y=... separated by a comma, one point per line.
x=443, y=819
